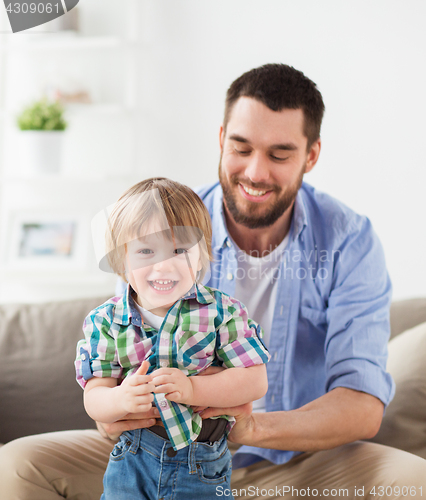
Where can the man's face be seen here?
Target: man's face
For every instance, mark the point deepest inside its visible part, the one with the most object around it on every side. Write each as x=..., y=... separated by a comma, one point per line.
x=263, y=160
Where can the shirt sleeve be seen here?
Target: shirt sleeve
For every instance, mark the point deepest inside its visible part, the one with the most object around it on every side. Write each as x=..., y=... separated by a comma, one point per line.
x=239, y=341
x=358, y=317
x=96, y=353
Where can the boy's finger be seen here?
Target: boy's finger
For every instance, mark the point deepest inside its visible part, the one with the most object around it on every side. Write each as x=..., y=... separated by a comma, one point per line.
x=163, y=371
x=165, y=388
x=161, y=379
x=143, y=407
x=146, y=388
x=173, y=396
x=140, y=379
x=198, y=409
x=143, y=369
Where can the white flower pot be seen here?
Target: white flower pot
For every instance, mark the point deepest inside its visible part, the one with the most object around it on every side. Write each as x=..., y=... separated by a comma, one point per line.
x=40, y=151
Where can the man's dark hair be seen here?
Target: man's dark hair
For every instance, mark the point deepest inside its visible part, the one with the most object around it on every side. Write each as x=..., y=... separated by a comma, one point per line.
x=279, y=87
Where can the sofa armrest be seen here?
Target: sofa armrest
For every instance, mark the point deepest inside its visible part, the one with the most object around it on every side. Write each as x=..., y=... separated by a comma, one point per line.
x=404, y=423
x=406, y=314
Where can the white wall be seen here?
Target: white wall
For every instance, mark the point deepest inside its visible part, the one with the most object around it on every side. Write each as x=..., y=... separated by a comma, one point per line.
x=366, y=57
x=368, y=60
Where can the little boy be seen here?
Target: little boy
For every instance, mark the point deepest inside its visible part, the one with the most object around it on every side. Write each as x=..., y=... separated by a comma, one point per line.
x=146, y=346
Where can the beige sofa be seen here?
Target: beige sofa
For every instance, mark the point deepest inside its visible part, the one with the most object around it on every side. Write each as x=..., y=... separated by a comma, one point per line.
x=38, y=392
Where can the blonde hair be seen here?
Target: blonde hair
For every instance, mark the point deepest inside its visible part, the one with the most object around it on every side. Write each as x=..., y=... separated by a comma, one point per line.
x=167, y=202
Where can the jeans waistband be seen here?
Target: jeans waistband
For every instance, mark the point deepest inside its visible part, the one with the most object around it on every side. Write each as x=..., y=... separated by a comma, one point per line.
x=162, y=449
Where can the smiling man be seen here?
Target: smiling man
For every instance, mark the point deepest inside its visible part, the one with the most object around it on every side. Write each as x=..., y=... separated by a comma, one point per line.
x=312, y=273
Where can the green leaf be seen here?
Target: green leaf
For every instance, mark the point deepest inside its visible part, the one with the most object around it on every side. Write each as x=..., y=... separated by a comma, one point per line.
x=42, y=115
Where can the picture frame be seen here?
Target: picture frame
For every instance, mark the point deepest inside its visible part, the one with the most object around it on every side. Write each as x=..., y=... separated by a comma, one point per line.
x=46, y=241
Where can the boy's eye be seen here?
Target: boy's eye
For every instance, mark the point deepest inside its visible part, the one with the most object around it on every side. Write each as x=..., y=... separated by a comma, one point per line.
x=179, y=251
x=145, y=251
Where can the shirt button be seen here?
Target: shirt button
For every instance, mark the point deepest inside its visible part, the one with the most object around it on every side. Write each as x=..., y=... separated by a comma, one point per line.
x=163, y=404
x=230, y=276
x=228, y=243
x=83, y=357
x=164, y=364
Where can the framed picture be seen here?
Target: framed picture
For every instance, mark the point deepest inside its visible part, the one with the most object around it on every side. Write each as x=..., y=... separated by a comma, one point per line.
x=43, y=241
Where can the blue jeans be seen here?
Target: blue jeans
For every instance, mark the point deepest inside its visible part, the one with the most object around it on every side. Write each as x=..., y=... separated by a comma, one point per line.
x=142, y=467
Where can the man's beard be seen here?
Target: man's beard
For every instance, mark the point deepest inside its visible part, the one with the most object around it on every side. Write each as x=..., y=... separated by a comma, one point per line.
x=250, y=218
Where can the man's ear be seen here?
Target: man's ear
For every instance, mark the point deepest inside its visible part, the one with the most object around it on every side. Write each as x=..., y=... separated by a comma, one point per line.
x=221, y=137
x=313, y=155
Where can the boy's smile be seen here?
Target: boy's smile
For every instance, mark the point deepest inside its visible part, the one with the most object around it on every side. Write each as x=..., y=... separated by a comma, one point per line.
x=163, y=285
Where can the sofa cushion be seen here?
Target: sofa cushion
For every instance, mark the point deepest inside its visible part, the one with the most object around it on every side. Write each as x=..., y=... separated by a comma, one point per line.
x=38, y=391
x=404, y=423
x=405, y=314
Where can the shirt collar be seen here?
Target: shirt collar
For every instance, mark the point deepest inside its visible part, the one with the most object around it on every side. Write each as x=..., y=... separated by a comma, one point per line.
x=125, y=311
x=200, y=293
x=300, y=217
x=220, y=230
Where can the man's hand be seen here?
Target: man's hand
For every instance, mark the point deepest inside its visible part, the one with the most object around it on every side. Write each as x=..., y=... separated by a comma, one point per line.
x=338, y=417
x=130, y=422
x=174, y=383
x=244, y=425
x=135, y=392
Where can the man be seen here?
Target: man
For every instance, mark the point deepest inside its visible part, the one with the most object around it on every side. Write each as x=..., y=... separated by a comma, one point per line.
x=312, y=273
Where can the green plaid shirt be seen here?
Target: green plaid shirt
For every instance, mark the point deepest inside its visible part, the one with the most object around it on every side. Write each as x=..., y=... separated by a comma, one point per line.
x=203, y=327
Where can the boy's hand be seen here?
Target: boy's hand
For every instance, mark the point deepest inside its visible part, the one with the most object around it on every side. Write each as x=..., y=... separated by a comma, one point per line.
x=130, y=422
x=135, y=392
x=174, y=383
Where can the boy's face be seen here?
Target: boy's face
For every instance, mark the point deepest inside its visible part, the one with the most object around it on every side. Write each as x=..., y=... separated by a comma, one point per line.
x=161, y=269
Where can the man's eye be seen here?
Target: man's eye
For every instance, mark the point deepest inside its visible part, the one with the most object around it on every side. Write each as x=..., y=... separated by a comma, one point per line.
x=242, y=152
x=179, y=251
x=278, y=158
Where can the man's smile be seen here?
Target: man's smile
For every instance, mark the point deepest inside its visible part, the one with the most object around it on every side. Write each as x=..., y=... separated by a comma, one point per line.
x=252, y=194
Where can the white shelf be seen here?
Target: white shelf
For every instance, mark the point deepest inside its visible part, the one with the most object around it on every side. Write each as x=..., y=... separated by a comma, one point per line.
x=54, y=42
x=42, y=287
x=60, y=178
x=105, y=108
x=101, y=108
x=54, y=58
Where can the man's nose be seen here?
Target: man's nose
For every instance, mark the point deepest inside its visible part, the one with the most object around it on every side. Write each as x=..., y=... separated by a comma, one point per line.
x=257, y=169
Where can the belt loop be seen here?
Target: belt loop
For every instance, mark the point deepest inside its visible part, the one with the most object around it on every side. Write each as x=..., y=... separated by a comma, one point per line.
x=136, y=440
x=192, y=466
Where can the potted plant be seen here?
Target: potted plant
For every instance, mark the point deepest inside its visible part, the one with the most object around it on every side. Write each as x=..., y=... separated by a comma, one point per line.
x=42, y=125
